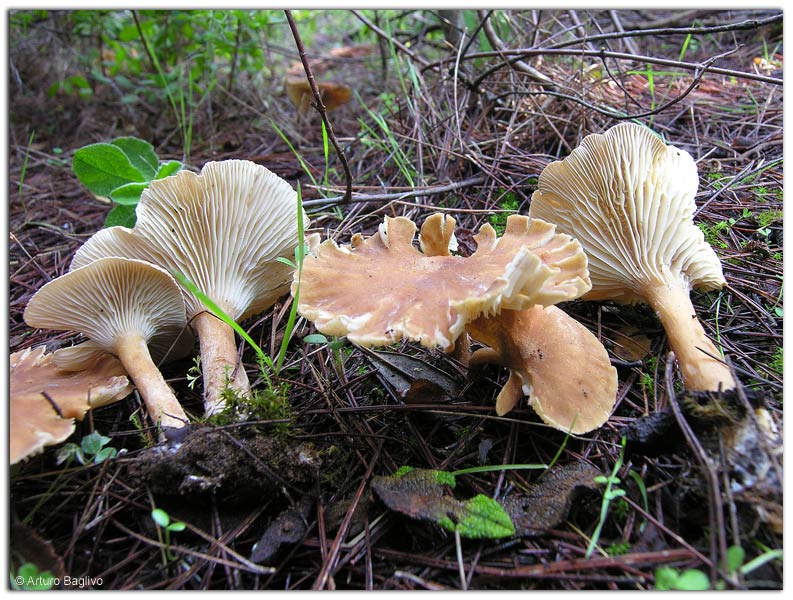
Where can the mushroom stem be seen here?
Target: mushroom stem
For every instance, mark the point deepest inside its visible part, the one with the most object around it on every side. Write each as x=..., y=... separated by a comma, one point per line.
x=688, y=339
x=164, y=409
x=220, y=363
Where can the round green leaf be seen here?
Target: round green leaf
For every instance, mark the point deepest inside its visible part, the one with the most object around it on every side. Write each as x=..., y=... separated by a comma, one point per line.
x=140, y=153
x=167, y=169
x=128, y=194
x=104, y=167
x=121, y=214
x=160, y=517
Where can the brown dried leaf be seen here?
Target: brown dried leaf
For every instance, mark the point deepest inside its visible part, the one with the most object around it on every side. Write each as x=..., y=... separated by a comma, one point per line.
x=547, y=503
x=630, y=345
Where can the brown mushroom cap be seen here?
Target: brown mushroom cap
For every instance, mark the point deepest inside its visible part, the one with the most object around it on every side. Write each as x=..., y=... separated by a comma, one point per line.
x=629, y=199
x=129, y=308
x=380, y=289
x=34, y=422
x=554, y=360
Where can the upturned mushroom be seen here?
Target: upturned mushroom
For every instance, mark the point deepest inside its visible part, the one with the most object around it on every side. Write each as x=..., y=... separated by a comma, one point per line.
x=629, y=199
x=129, y=308
x=554, y=360
x=381, y=289
x=222, y=229
x=37, y=420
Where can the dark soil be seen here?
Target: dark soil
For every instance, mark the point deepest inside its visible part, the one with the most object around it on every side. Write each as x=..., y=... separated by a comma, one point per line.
x=686, y=500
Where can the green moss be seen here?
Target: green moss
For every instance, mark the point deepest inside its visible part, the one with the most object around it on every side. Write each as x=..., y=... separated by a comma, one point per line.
x=269, y=404
x=765, y=218
x=509, y=201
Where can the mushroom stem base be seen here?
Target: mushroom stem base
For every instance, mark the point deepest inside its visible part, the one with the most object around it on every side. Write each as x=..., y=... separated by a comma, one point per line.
x=220, y=362
x=687, y=338
x=164, y=409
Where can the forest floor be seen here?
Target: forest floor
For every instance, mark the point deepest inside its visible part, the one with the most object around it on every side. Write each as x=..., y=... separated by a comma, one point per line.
x=290, y=504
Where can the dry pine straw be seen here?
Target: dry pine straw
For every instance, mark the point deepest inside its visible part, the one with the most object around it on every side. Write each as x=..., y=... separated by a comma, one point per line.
x=96, y=519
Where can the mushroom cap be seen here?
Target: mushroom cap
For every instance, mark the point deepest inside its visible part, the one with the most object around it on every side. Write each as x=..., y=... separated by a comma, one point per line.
x=629, y=199
x=381, y=289
x=555, y=361
x=222, y=229
x=34, y=423
x=110, y=298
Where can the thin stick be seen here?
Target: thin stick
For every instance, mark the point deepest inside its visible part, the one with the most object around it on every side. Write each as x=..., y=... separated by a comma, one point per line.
x=319, y=105
x=427, y=191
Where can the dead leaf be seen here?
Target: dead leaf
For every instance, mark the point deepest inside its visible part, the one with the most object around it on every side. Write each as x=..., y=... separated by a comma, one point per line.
x=287, y=528
x=630, y=345
x=423, y=494
x=35, y=422
x=411, y=379
x=547, y=503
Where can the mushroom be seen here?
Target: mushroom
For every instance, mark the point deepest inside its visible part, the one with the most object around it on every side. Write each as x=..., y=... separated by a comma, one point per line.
x=131, y=309
x=381, y=289
x=222, y=229
x=629, y=199
x=36, y=420
x=333, y=94
x=554, y=360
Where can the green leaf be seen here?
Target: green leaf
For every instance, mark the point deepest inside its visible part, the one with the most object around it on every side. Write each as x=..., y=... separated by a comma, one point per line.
x=104, y=167
x=93, y=442
x=168, y=168
x=128, y=194
x=693, y=580
x=121, y=214
x=735, y=558
x=160, y=517
x=484, y=518
x=424, y=494
x=665, y=578
x=105, y=454
x=178, y=526
x=141, y=154
x=315, y=338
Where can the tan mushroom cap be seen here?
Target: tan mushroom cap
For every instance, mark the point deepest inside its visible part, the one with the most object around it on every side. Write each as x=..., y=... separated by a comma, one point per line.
x=555, y=361
x=129, y=308
x=222, y=229
x=381, y=289
x=34, y=422
x=110, y=298
x=629, y=199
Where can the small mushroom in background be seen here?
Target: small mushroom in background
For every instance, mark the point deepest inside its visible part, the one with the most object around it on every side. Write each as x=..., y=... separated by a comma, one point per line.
x=35, y=421
x=333, y=94
x=629, y=199
x=381, y=289
x=554, y=360
x=224, y=230
x=131, y=309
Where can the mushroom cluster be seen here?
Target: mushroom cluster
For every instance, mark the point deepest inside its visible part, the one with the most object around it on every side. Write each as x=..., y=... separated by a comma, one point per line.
x=223, y=230
x=431, y=296
x=629, y=199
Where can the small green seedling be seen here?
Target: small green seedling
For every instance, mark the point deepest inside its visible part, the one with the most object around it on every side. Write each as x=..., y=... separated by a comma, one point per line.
x=612, y=492
x=669, y=578
x=119, y=171
x=163, y=521
x=93, y=448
